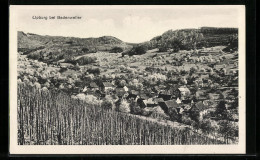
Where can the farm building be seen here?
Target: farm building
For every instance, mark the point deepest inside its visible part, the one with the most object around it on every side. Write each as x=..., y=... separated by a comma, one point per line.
x=158, y=100
x=183, y=92
x=107, y=86
x=93, y=86
x=166, y=105
x=165, y=96
x=143, y=96
x=147, y=103
x=133, y=94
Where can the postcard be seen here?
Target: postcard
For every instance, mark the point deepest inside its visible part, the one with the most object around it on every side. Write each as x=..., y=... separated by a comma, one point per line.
x=127, y=79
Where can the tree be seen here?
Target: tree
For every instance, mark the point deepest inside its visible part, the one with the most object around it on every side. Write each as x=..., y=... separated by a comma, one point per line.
x=176, y=45
x=174, y=116
x=95, y=71
x=206, y=126
x=85, y=50
x=195, y=115
x=137, y=50
x=221, y=111
x=186, y=120
x=124, y=107
x=234, y=105
x=192, y=70
x=228, y=130
x=135, y=108
x=107, y=105
x=196, y=125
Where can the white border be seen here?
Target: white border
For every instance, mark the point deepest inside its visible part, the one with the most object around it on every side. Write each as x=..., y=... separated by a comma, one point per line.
x=122, y=149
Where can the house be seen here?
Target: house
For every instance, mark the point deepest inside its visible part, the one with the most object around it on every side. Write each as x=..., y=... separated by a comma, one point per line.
x=143, y=96
x=84, y=89
x=172, y=108
x=100, y=94
x=120, y=92
x=201, y=95
x=166, y=105
x=186, y=101
x=162, y=87
x=178, y=101
x=214, y=96
x=126, y=88
x=204, y=77
x=165, y=96
x=158, y=100
x=133, y=94
x=147, y=103
x=93, y=86
x=230, y=72
x=150, y=103
x=183, y=93
x=107, y=86
x=199, y=107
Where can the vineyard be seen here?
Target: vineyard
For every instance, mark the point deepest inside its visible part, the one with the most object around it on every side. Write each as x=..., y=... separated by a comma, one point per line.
x=51, y=117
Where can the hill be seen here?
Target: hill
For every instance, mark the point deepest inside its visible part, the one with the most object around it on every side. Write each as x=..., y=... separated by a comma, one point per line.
x=194, y=38
x=187, y=39
x=53, y=48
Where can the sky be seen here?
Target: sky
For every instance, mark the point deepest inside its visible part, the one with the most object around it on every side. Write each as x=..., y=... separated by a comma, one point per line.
x=129, y=23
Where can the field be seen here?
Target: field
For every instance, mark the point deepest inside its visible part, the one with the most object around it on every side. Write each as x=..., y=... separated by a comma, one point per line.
x=52, y=117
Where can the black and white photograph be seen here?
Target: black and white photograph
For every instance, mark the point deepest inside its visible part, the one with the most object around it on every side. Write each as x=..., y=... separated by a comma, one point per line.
x=127, y=79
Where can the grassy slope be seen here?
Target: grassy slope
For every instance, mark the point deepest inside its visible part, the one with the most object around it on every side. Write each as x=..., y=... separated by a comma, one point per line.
x=58, y=47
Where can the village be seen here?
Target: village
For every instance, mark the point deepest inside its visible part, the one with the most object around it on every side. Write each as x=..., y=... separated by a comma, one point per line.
x=192, y=87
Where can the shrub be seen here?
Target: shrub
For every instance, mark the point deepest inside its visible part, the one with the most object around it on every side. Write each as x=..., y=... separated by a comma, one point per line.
x=95, y=71
x=138, y=50
x=34, y=55
x=63, y=70
x=135, y=108
x=116, y=50
x=107, y=105
x=70, y=59
x=123, y=106
x=187, y=120
x=85, y=50
x=163, y=49
x=86, y=60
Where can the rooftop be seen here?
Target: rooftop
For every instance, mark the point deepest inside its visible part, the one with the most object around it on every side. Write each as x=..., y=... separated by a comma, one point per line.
x=93, y=85
x=183, y=89
x=107, y=84
x=171, y=104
